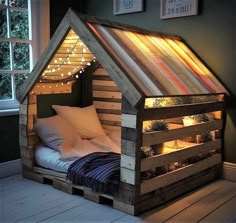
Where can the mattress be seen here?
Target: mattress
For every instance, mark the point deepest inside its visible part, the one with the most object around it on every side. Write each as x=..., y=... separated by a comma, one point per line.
x=51, y=159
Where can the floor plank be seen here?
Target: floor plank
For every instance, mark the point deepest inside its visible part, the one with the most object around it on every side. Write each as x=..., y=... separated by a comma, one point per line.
x=225, y=213
x=201, y=209
x=26, y=201
x=167, y=211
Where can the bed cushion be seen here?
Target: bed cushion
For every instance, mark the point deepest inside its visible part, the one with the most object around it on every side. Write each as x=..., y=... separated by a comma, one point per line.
x=51, y=159
x=84, y=120
x=58, y=134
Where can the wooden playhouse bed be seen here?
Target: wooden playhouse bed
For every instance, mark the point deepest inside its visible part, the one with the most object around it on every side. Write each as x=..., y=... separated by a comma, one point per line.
x=135, y=196
x=120, y=103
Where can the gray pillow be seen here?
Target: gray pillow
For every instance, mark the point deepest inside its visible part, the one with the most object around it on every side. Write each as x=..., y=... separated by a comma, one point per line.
x=58, y=134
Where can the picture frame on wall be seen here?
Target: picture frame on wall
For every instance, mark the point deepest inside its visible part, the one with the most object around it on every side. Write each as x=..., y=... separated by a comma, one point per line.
x=127, y=6
x=178, y=8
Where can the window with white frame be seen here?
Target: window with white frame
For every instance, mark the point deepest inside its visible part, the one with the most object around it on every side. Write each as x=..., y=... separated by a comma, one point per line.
x=17, y=43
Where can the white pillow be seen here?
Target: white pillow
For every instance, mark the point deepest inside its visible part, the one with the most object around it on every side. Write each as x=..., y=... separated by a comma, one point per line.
x=84, y=120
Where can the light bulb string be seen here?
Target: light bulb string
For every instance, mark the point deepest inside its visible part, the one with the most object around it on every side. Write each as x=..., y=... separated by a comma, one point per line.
x=70, y=78
x=67, y=58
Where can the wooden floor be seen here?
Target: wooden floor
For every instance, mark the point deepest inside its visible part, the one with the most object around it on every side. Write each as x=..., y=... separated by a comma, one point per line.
x=25, y=201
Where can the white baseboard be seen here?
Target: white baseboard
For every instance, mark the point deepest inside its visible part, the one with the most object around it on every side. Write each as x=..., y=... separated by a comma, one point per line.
x=229, y=171
x=10, y=168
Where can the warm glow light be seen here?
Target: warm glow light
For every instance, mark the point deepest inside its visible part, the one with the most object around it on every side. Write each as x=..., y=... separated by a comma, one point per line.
x=188, y=121
x=149, y=102
x=67, y=58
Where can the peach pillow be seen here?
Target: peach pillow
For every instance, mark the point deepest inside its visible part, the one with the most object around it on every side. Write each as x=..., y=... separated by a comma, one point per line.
x=84, y=120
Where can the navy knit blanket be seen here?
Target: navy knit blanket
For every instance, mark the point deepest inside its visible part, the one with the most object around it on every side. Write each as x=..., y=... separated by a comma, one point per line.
x=99, y=171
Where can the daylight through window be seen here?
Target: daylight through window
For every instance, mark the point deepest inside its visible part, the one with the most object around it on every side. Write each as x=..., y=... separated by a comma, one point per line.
x=15, y=48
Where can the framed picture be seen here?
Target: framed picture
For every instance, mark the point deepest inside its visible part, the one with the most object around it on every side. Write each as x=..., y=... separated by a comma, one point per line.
x=127, y=6
x=178, y=8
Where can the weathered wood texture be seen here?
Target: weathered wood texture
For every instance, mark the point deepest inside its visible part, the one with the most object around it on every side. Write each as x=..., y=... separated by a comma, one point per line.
x=131, y=144
x=106, y=99
x=152, y=138
x=27, y=138
x=179, y=155
x=182, y=110
x=179, y=174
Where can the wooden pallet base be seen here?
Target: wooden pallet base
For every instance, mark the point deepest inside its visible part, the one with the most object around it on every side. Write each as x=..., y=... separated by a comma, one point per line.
x=165, y=194
x=60, y=182
x=142, y=203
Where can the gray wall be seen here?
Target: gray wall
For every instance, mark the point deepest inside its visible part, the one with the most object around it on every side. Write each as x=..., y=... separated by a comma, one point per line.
x=9, y=138
x=211, y=34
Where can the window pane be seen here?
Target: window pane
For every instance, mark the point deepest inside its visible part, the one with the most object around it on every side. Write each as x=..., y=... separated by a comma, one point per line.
x=19, y=80
x=21, y=56
x=19, y=3
x=5, y=86
x=5, y=56
x=19, y=25
x=3, y=2
x=3, y=23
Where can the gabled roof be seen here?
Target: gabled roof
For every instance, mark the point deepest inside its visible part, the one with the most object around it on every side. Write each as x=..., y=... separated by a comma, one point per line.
x=141, y=62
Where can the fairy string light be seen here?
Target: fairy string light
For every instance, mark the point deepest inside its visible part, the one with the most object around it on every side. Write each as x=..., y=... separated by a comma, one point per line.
x=51, y=74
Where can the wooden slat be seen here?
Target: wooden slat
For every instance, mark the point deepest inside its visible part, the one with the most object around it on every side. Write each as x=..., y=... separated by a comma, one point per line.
x=177, y=155
x=128, y=147
x=107, y=105
x=32, y=109
x=52, y=88
x=106, y=88
x=153, y=138
x=117, y=100
x=113, y=123
x=102, y=78
x=23, y=119
x=179, y=174
x=24, y=109
x=105, y=94
x=128, y=121
x=127, y=208
x=109, y=117
x=176, y=189
x=129, y=134
x=127, y=176
x=23, y=140
x=104, y=83
x=101, y=71
x=128, y=162
x=26, y=152
x=182, y=110
x=49, y=172
x=30, y=124
x=108, y=111
x=32, y=99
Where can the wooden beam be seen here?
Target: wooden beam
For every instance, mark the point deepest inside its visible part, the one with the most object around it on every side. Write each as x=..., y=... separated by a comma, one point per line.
x=178, y=155
x=182, y=110
x=129, y=121
x=179, y=174
x=152, y=138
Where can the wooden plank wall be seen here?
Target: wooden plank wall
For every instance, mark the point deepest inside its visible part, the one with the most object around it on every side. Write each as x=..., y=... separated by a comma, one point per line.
x=106, y=99
x=27, y=138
